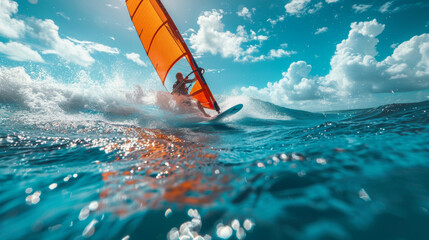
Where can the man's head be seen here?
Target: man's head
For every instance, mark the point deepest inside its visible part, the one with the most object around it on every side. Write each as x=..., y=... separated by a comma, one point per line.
x=179, y=76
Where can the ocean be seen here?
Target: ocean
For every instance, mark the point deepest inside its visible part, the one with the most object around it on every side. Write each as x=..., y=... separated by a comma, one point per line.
x=77, y=162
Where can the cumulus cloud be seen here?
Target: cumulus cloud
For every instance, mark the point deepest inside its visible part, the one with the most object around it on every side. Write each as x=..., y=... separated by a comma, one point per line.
x=360, y=8
x=321, y=30
x=296, y=84
x=135, y=57
x=19, y=52
x=242, y=45
x=297, y=7
x=246, y=13
x=354, y=70
x=10, y=27
x=331, y=1
x=212, y=38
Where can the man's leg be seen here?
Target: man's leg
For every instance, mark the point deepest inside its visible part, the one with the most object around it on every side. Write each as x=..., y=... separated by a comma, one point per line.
x=202, y=109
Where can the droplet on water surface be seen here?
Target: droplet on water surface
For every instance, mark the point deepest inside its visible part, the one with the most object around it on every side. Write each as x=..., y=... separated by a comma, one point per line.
x=168, y=213
x=224, y=232
x=28, y=190
x=90, y=229
x=53, y=186
x=235, y=224
x=364, y=195
x=248, y=224
x=93, y=206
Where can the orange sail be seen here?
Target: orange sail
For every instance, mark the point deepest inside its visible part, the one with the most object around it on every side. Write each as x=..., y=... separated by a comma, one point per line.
x=165, y=46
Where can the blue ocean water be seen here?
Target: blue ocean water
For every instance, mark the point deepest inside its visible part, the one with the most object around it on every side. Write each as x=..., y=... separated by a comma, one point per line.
x=78, y=166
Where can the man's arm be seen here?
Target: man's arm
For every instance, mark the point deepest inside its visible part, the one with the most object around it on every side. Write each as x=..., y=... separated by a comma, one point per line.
x=189, y=80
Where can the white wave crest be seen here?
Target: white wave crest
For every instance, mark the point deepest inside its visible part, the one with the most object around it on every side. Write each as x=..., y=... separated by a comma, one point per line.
x=45, y=94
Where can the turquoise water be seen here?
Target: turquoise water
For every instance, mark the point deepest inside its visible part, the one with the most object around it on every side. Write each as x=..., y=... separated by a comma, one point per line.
x=90, y=170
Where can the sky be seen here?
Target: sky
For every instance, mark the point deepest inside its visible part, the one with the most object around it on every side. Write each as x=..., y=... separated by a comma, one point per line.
x=314, y=55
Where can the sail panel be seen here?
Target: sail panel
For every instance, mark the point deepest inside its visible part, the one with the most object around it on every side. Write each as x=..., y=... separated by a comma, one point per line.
x=147, y=22
x=164, y=52
x=198, y=92
x=132, y=6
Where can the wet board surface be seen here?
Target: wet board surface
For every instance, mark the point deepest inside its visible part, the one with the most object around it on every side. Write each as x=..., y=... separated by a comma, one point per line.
x=229, y=112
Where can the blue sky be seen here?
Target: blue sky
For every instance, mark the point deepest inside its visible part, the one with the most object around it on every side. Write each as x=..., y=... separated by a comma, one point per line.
x=305, y=54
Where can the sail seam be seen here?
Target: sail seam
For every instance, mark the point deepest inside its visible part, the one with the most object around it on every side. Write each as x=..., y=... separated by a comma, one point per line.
x=174, y=63
x=137, y=8
x=196, y=92
x=154, y=36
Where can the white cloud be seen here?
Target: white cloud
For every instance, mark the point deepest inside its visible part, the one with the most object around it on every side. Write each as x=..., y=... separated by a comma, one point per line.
x=214, y=70
x=63, y=15
x=275, y=21
x=47, y=32
x=360, y=8
x=385, y=7
x=135, y=57
x=297, y=7
x=71, y=50
x=296, y=84
x=302, y=7
x=359, y=49
x=331, y=1
x=272, y=54
x=95, y=47
x=354, y=70
x=321, y=30
x=242, y=46
x=279, y=53
x=112, y=6
x=10, y=27
x=19, y=52
x=315, y=8
x=245, y=13
x=212, y=38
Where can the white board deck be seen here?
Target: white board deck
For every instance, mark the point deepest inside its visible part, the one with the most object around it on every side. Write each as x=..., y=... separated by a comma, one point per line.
x=229, y=112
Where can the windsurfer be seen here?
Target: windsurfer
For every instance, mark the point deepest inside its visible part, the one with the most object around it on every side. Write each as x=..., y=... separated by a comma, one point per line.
x=180, y=89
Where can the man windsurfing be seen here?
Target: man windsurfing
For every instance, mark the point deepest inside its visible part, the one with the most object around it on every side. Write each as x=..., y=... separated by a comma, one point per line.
x=181, y=91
